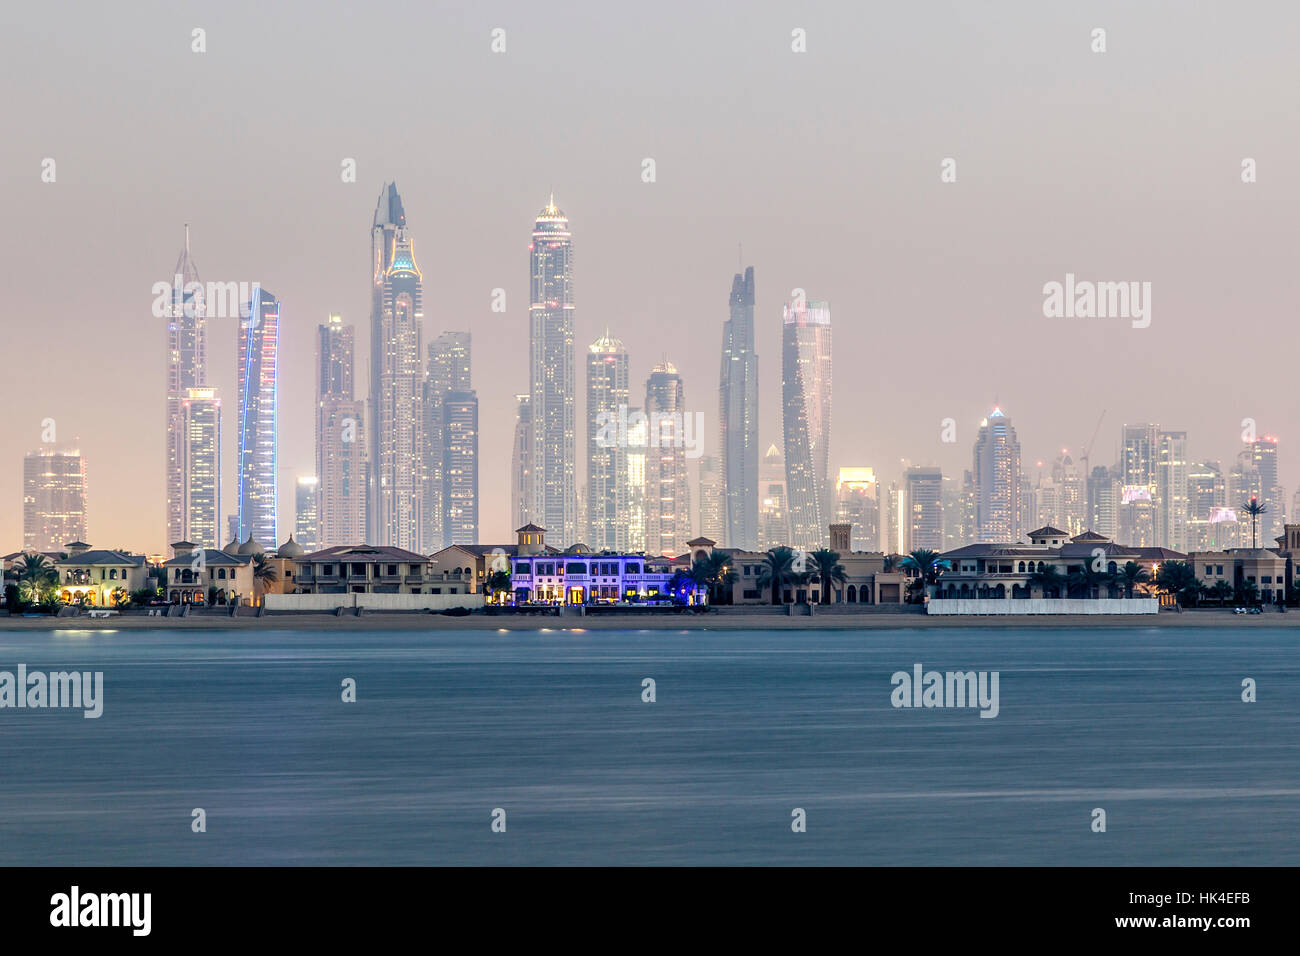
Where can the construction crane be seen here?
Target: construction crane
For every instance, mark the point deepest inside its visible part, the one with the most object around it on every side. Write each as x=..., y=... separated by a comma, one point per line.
x=1087, y=449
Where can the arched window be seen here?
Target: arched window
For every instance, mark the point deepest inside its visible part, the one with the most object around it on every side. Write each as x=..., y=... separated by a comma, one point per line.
x=1022, y=567
x=853, y=594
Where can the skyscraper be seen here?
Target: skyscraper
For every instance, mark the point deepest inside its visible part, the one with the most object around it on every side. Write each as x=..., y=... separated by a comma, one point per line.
x=396, y=462
x=340, y=439
x=856, y=505
x=259, y=421
x=186, y=369
x=607, y=398
x=1171, y=490
x=1207, y=508
x=996, y=471
x=638, y=437
x=738, y=394
x=773, y=510
x=448, y=371
x=1264, y=455
x=306, y=524
x=712, y=501
x=1103, y=502
x=200, y=462
x=521, y=466
x=1138, y=493
x=459, y=438
x=551, y=365
x=923, y=521
x=668, y=490
x=806, y=395
x=54, y=499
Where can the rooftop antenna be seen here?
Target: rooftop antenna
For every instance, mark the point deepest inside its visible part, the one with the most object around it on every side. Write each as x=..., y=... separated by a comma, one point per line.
x=187, y=239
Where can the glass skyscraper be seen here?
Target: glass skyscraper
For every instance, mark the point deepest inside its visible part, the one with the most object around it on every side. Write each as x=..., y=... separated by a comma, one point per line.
x=738, y=415
x=201, y=464
x=667, y=483
x=340, y=439
x=996, y=473
x=607, y=397
x=806, y=397
x=259, y=419
x=186, y=369
x=54, y=499
x=450, y=460
x=396, y=380
x=551, y=371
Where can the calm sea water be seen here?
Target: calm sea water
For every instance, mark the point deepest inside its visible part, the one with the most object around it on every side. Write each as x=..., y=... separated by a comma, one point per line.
x=1146, y=723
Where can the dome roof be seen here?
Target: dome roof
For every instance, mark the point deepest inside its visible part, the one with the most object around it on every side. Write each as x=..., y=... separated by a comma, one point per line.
x=232, y=547
x=251, y=546
x=291, y=549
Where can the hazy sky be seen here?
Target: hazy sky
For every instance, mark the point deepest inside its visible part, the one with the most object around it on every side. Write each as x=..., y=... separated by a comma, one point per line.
x=825, y=165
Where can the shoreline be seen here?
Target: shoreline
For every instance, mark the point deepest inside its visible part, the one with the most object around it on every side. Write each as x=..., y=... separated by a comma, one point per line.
x=725, y=621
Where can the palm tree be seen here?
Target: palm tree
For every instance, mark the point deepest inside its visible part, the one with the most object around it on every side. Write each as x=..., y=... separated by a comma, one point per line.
x=497, y=581
x=713, y=573
x=1085, y=578
x=928, y=566
x=1047, y=578
x=1179, y=578
x=778, y=571
x=680, y=580
x=264, y=572
x=1131, y=575
x=829, y=570
x=37, y=578
x=1222, y=590
x=1254, y=509
x=118, y=597
x=1246, y=592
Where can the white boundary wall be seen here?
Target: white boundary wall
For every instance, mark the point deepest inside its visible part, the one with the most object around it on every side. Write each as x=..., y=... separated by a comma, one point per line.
x=372, y=602
x=1019, y=606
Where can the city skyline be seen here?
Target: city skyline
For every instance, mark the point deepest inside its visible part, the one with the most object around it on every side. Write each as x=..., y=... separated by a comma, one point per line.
x=1206, y=240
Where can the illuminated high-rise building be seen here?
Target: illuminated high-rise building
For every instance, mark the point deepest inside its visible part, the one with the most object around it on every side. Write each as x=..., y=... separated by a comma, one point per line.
x=857, y=505
x=997, y=481
x=448, y=372
x=1171, y=490
x=340, y=440
x=1138, y=492
x=923, y=508
x=459, y=440
x=258, y=368
x=668, y=490
x=806, y=396
x=306, y=522
x=54, y=499
x=1263, y=453
x=186, y=369
x=712, y=501
x=396, y=464
x=1103, y=502
x=607, y=397
x=201, y=463
x=773, y=511
x=738, y=395
x=551, y=369
x=1207, y=509
x=638, y=437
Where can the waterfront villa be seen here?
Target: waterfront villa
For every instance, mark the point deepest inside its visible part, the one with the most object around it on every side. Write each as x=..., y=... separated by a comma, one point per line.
x=201, y=576
x=99, y=577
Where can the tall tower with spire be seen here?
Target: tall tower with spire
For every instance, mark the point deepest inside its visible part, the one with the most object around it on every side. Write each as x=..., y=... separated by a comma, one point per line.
x=554, y=503
x=396, y=380
x=738, y=415
x=607, y=396
x=186, y=369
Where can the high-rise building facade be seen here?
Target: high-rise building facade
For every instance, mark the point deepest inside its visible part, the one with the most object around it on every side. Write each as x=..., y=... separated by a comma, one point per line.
x=773, y=502
x=340, y=439
x=1171, y=490
x=459, y=440
x=806, y=397
x=396, y=464
x=200, y=461
x=306, y=522
x=997, y=480
x=1103, y=502
x=1263, y=453
x=667, y=483
x=448, y=372
x=551, y=365
x=712, y=502
x=186, y=369
x=923, y=524
x=1138, y=492
x=521, y=465
x=1207, y=516
x=857, y=504
x=607, y=398
x=738, y=415
x=54, y=499
x=259, y=418
x=638, y=438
